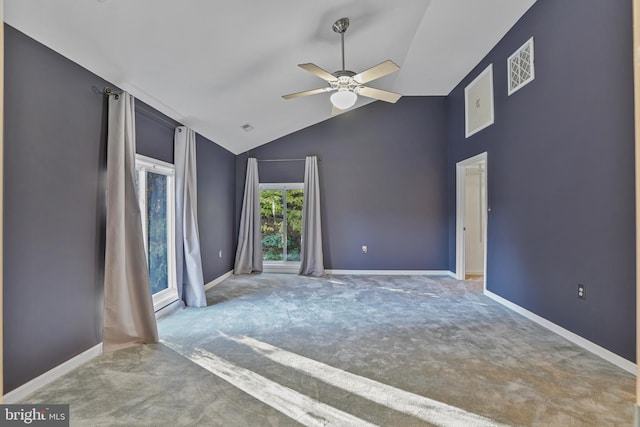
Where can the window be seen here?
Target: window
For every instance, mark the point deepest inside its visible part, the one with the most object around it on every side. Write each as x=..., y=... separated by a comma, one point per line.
x=281, y=223
x=155, y=186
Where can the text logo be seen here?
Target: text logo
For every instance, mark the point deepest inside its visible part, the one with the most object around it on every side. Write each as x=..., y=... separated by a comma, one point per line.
x=34, y=415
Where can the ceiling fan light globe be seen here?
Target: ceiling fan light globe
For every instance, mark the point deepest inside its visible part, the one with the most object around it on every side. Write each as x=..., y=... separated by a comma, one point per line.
x=343, y=99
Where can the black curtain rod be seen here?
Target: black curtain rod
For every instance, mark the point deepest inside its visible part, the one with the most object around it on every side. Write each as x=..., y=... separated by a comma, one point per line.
x=283, y=160
x=157, y=116
x=139, y=108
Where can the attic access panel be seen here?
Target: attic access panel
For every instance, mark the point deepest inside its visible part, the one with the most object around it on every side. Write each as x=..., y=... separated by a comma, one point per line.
x=478, y=102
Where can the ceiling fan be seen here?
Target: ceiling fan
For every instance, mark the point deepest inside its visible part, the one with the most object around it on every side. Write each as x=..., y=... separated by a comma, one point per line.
x=347, y=84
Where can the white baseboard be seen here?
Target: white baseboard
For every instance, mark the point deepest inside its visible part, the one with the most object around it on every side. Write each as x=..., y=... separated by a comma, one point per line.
x=24, y=390
x=394, y=272
x=218, y=280
x=602, y=352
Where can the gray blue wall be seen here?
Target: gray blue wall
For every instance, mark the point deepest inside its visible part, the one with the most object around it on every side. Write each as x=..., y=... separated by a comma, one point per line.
x=383, y=179
x=560, y=175
x=55, y=147
x=216, y=186
x=561, y=170
x=55, y=165
x=154, y=133
x=560, y=186
x=216, y=195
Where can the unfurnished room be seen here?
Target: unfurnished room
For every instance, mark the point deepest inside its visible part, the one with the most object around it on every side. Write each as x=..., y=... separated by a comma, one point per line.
x=363, y=213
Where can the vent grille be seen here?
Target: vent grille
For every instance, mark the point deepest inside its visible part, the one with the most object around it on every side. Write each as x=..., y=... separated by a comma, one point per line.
x=520, y=67
x=247, y=127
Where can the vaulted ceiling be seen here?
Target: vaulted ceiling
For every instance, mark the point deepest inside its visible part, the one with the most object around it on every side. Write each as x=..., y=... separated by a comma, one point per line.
x=215, y=66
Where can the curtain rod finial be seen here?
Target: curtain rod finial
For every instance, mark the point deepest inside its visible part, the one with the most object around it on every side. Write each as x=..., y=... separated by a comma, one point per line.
x=109, y=92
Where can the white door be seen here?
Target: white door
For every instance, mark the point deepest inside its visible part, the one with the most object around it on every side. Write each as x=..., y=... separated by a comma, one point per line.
x=471, y=216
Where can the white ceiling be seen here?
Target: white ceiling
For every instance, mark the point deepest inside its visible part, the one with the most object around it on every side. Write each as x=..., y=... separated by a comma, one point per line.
x=215, y=65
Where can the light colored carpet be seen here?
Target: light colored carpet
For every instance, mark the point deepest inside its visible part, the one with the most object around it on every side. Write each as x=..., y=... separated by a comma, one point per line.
x=269, y=340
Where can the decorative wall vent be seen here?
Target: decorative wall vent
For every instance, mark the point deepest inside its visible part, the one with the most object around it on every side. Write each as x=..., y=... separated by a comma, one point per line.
x=521, y=67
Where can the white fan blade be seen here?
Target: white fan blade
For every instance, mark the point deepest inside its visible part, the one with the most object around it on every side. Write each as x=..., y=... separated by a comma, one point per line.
x=377, y=71
x=307, y=92
x=335, y=111
x=381, y=95
x=314, y=69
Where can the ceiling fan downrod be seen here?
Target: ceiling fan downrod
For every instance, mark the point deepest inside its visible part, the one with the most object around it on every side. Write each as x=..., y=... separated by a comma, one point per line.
x=340, y=27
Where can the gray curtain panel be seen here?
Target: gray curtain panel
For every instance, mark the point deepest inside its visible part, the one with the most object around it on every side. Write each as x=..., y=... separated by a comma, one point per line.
x=249, y=252
x=188, y=258
x=128, y=306
x=311, y=258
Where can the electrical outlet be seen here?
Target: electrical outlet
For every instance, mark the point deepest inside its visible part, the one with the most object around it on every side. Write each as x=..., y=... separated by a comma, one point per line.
x=220, y=253
x=364, y=249
x=582, y=292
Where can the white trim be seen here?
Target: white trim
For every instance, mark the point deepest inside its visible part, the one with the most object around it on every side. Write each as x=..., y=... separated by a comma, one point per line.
x=281, y=186
x=394, y=272
x=147, y=164
x=157, y=165
x=605, y=354
x=460, y=205
x=286, y=267
x=164, y=298
x=219, y=280
x=64, y=368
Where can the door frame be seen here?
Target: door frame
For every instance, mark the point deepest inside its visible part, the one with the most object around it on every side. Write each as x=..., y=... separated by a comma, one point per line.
x=460, y=209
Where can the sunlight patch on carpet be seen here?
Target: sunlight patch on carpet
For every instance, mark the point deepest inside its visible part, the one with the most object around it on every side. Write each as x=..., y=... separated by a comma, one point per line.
x=429, y=410
x=297, y=406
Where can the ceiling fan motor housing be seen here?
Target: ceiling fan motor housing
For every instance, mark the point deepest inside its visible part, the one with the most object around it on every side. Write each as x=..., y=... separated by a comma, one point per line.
x=344, y=73
x=341, y=25
x=344, y=80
